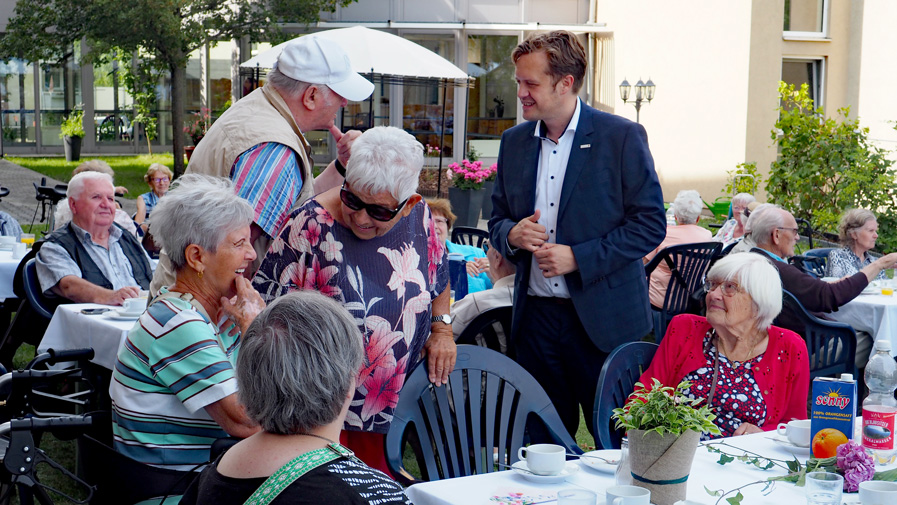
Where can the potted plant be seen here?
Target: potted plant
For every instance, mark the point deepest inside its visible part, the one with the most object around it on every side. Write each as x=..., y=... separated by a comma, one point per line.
x=71, y=131
x=664, y=427
x=466, y=191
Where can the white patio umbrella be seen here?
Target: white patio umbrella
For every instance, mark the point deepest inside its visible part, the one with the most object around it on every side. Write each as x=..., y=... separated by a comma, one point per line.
x=381, y=54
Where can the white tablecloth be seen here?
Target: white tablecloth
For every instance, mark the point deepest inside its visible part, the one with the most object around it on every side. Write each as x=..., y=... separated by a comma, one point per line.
x=487, y=489
x=70, y=329
x=874, y=314
x=7, y=272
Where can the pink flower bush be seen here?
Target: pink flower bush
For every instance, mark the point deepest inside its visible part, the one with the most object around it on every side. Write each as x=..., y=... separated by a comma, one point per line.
x=470, y=174
x=855, y=465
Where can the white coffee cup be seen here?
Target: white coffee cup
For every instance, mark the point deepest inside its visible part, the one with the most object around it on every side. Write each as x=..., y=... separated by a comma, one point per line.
x=796, y=431
x=133, y=306
x=628, y=495
x=18, y=250
x=543, y=459
x=878, y=492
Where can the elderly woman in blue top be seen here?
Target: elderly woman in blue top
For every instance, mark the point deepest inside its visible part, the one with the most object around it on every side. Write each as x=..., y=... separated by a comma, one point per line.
x=857, y=232
x=173, y=387
x=158, y=176
x=477, y=263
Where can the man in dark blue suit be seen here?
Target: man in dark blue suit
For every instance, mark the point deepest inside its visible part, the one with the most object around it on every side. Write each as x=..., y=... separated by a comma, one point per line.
x=577, y=205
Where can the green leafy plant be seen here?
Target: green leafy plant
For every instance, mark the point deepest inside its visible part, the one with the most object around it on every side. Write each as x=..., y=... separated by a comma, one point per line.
x=665, y=409
x=827, y=165
x=744, y=179
x=72, y=125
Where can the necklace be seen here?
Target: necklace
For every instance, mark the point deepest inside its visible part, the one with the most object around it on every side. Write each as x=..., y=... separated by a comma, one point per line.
x=318, y=436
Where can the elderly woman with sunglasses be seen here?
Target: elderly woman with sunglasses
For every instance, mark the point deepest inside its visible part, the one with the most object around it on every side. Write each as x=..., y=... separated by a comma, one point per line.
x=372, y=245
x=755, y=375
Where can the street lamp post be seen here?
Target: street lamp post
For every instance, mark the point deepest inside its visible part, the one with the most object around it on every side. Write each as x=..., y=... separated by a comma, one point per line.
x=643, y=91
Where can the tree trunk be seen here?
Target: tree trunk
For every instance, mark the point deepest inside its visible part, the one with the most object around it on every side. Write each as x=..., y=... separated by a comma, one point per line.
x=178, y=94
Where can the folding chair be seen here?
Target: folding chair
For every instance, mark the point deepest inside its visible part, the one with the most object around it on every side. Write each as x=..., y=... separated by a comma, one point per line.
x=620, y=372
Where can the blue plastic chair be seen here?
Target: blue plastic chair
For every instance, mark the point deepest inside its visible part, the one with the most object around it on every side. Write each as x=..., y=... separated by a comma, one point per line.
x=831, y=345
x=620, y=372
x=688, y=264
x=486, y=405
x=33, y=291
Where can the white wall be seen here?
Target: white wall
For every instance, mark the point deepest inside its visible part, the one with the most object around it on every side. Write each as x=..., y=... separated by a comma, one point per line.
x=877, y=102
x=697, y=53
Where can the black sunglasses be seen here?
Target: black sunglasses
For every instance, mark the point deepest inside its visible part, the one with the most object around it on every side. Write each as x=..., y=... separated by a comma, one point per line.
x=378, y=212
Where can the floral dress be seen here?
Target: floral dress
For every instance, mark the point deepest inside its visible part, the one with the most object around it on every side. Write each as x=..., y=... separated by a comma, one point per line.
x=737, y=398
x=386, y=283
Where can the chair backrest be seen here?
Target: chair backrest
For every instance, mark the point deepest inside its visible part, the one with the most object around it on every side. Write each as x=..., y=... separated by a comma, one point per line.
x=484, y=325
x=831, y=345
x=33, y=292
x=620, y=372
x=688, y=264
x=487, y=404
x=468, y=235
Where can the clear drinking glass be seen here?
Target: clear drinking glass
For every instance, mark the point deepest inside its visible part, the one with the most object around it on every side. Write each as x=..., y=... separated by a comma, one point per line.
x=824, y=488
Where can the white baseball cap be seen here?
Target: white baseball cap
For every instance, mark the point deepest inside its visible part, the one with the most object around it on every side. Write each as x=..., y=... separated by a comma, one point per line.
x=322, y=61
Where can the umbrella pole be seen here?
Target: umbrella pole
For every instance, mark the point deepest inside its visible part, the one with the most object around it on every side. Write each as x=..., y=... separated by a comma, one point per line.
x=441, y=141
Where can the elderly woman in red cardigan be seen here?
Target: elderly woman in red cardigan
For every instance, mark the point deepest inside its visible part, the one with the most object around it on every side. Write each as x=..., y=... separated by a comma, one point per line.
x=754, y=374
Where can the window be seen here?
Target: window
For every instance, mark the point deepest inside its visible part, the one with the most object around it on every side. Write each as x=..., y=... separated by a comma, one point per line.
x=806, y=18
x=492, y=105
x=806, y=70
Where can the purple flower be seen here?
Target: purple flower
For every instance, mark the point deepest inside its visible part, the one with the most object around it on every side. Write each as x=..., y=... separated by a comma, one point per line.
x=855, y=464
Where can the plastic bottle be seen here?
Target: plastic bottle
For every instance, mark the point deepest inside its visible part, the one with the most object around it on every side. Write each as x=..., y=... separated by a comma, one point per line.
x=879, y=407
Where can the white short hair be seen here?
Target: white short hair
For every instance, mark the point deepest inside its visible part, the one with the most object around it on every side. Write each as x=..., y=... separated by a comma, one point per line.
x=687, y=206
x=386, y=158
x=759, y=279
x=76, y=185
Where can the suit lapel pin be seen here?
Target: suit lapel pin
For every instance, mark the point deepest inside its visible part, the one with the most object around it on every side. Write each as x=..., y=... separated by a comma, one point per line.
x=585, y=146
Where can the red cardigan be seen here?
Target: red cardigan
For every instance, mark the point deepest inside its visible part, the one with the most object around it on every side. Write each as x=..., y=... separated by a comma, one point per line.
x=783, y=374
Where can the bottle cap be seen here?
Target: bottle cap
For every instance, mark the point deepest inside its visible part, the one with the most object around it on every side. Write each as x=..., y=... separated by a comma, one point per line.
x=847, y=377
x=883, y=344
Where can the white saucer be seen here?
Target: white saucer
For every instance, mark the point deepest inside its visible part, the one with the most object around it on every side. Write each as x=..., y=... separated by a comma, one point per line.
x=570, y=469
x=602, y=466
x=784, y=443
x=120, y=316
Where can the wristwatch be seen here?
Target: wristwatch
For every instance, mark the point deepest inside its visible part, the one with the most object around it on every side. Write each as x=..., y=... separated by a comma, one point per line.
x=444, y=318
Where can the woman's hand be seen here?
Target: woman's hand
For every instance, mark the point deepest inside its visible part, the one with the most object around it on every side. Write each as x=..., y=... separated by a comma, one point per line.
x=243, y=307
x=746, y=429
x=477, y=266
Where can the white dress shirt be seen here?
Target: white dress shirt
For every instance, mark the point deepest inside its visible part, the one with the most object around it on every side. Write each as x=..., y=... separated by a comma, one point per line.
x=553, y=158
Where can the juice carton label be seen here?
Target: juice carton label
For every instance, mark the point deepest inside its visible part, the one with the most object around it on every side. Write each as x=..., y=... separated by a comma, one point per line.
x=832, y=415
x=878, y=427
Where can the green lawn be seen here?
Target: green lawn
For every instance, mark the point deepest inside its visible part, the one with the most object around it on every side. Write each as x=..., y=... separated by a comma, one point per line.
x=129, y=170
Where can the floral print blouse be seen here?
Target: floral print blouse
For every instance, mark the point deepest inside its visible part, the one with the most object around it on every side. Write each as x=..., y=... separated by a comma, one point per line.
x=387, y=283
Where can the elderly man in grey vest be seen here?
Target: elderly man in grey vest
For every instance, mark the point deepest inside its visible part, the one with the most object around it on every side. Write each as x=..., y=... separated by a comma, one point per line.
x=259, y=142
x=91, y=259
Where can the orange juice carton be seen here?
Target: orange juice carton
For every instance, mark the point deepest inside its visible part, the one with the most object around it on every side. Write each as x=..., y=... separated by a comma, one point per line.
x=833, y=413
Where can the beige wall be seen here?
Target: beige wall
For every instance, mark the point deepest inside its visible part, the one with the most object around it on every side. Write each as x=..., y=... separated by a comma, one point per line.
x=698, y=55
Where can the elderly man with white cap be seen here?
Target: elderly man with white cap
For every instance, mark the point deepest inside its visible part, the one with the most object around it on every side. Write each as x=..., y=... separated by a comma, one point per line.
x=259, y=142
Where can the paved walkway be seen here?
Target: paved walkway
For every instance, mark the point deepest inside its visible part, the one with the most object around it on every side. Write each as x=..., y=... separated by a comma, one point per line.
x=21, y=202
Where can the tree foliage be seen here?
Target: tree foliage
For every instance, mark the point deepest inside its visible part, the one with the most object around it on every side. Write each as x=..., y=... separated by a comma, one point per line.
x=166, y=30
x=826, y=166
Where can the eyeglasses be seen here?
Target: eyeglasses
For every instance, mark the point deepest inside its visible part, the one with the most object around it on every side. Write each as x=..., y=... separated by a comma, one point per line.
x=377, y=212
x=729, y=288
x=158, y=180
x=795, y=231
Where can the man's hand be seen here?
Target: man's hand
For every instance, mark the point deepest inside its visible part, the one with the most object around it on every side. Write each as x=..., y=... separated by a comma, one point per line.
x=528, y=234
x=118, y=296
x=244, y=307
x=477, y=266
x=441, y=353
x=555, y=259
x=344, y=143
